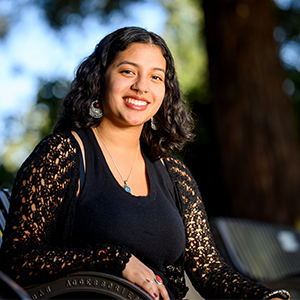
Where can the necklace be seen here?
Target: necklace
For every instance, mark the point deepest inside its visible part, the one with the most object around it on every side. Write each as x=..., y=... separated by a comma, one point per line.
x=125, y=187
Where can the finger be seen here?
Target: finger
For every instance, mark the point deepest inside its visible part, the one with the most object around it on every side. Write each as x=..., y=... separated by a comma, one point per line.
x=161, y=287
x=154, y=291
x=163, y=291
x=148, y=280
x=150, y=287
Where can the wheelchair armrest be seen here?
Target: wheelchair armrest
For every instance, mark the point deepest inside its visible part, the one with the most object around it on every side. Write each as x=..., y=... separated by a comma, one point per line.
x=9, y=289
x=88, y=285
x=80, y=285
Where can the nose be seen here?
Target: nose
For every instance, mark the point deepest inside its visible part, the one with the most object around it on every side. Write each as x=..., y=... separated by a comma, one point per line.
x=141, y=86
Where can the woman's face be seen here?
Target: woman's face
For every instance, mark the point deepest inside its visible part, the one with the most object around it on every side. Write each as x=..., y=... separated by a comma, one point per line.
x=134, y=85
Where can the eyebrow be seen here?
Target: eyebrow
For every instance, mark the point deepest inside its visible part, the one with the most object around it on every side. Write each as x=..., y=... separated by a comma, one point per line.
x=126, y=62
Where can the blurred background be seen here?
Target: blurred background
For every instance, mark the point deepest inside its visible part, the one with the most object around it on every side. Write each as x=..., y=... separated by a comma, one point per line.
x=238, y=62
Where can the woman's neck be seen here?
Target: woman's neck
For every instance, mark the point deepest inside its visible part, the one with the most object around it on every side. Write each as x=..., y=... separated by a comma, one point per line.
x=125, y=138
x=120, y=147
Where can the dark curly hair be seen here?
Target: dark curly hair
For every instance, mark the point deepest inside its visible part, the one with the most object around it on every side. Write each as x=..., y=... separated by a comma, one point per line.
x=173, y=117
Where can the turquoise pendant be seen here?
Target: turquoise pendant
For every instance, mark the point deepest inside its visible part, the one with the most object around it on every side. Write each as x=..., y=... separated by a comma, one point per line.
x=126, y=187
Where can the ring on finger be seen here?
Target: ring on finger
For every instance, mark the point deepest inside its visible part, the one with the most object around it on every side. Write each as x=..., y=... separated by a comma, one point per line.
x=148, y=280
x=158, y=280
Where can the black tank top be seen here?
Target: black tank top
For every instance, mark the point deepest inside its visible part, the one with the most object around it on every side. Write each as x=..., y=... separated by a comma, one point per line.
x=150, y=226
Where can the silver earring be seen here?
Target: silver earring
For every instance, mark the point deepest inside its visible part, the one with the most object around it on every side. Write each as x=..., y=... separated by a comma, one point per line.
x=95, y=110
x=154, y=124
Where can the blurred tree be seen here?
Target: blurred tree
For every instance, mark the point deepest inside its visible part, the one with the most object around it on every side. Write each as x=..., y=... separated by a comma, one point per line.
x=72, y=12
x=184, y=35
x=247, y=113
x=257, y=138
x=50, y=97
x=60, y=13
x=27, y=130
x=31, y=128
x=287, y=35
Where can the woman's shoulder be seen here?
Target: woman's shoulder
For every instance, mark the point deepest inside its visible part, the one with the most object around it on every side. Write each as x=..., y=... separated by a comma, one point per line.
x=58, y=141
x=182, y=177
x=57, y=138
x=55, y=156
x=172, y=159
x=57, y=147
x=177, y=166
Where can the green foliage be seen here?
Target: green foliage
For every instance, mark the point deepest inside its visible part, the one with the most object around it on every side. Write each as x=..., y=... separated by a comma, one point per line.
x=287, y=37
x=3, y=26
x=184, y=36
x=6, y=177
x=35, y=124
x=60, y=13
x=28, y=129
x=49, y=97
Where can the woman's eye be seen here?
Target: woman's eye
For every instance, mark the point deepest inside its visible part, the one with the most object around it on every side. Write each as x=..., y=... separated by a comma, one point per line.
x=127, y=72
x=157, y=78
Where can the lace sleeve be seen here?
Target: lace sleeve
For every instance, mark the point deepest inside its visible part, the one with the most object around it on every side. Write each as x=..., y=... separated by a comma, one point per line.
x=39, y=219
x=208, y=272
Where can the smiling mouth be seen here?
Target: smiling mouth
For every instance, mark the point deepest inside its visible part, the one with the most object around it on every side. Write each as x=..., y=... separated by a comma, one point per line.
x=136, y=102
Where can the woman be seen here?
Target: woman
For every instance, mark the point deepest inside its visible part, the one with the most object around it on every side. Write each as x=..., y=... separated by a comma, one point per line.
x=103, y=192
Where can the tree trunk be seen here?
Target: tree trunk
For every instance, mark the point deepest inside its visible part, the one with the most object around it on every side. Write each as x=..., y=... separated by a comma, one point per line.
x=258, y=142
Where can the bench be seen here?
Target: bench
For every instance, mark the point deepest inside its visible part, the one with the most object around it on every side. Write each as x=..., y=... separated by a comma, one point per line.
x=79, y=285
x=264, y=252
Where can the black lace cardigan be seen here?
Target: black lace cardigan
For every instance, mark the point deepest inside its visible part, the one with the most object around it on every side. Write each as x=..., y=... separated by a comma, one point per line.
x=37, y=239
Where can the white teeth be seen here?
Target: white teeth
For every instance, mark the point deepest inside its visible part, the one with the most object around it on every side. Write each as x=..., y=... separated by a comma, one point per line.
x=136, y=102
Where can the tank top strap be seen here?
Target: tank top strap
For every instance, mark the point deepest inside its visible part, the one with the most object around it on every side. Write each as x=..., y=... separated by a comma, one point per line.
x=91, y=149
x=88, y=139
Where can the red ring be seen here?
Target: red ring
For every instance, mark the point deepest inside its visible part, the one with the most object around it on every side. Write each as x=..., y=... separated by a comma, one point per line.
x=158, y=280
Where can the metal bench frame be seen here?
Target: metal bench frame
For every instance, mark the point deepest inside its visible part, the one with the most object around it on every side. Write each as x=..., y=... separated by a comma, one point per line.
x=264, y=252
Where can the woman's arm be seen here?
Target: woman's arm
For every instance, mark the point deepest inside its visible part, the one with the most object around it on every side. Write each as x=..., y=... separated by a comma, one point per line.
x=35, y=247
x=208, y=272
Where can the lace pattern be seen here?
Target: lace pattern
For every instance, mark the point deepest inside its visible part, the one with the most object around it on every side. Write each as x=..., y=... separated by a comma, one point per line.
x=37, y=239
x=208, y=272
x=36, y=245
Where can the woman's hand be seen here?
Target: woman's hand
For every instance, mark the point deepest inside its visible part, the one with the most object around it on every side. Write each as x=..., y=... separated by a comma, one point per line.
x=138, y=273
